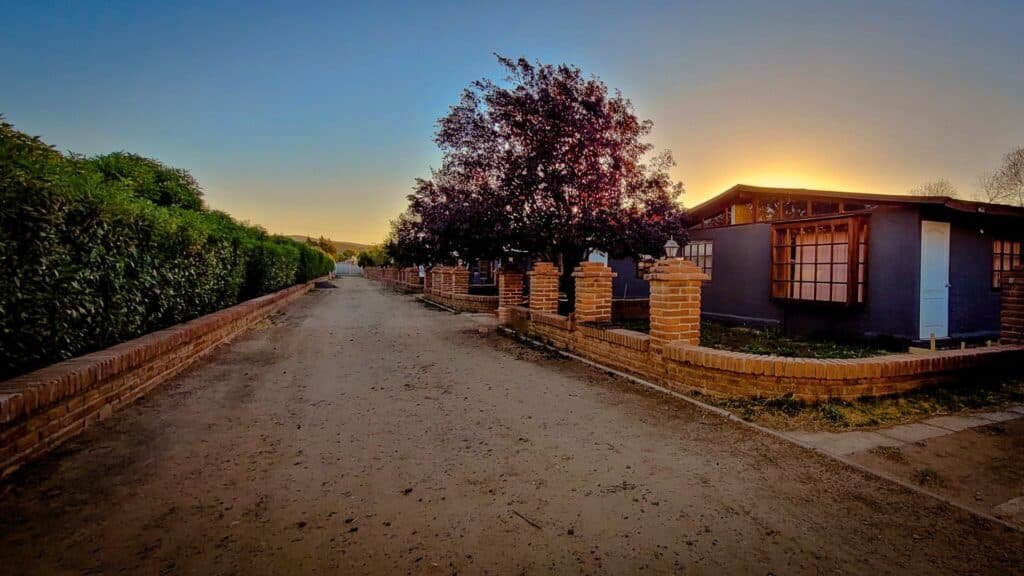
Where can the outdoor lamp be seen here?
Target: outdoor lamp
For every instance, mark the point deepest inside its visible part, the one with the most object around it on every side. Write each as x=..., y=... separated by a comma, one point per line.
x=671, y=248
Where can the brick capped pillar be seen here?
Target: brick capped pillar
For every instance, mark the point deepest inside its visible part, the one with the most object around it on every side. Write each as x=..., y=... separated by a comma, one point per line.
x=510, y=292
x=675, y=302
x=460, y=280
x=593, y=292
x=1011, y=314
x=544, y=288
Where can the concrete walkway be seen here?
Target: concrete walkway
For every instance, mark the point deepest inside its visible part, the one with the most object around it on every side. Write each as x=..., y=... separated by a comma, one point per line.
x=843, y=443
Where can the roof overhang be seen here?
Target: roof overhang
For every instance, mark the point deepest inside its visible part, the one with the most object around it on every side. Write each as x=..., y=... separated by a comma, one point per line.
x=725, y=199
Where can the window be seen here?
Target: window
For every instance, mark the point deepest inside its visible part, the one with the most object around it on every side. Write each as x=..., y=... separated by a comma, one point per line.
x=699, y=252
x=719, y=219
x=1006, y=255
x=820, y=261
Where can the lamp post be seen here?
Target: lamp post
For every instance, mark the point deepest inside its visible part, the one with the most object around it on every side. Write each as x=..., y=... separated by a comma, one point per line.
x=671, y=248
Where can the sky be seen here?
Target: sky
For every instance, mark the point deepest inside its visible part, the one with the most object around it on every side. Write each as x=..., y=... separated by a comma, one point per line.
x=315, y=118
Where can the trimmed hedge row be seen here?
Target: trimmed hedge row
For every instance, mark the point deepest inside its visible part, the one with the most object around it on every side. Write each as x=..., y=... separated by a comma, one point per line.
x=96, y=251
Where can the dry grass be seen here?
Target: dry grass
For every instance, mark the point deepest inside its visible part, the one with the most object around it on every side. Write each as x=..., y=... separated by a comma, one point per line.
x=789, y=414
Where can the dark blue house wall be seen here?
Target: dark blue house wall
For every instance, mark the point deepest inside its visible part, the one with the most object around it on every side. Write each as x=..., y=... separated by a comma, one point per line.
x=973, y=305
x=740, y=287
x=739, y=290
x=626, y=284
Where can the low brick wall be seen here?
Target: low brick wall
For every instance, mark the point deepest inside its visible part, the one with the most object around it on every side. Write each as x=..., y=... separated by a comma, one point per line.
x=686, y=366
x=1011, y=329
x=738, y=374
x=41, y=409
x=463, y=302
x=444, y=285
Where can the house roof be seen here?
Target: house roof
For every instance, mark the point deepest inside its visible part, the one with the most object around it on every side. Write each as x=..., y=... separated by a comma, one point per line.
x=725, y=199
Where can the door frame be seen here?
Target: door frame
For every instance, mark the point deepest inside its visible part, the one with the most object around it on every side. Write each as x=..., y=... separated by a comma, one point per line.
x=922, y=332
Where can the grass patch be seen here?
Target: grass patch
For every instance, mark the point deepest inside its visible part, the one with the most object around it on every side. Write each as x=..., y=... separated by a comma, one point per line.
x=771, y=341
x=789, y=414
x=767, y=341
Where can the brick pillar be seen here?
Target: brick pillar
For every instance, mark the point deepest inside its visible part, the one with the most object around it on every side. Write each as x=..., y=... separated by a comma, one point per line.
x=428, y=280
x=438, y=280
x=544, y=288
x=675, y=302
x=446, y=281
x=460, y=280
x=510, y=292
x=593, y=292
x=1011, y=314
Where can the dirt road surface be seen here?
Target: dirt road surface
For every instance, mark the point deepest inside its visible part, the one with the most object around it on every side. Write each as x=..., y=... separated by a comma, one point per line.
x=360, y=432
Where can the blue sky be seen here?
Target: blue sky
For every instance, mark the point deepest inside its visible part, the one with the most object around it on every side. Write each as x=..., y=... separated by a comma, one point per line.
x=316, y=119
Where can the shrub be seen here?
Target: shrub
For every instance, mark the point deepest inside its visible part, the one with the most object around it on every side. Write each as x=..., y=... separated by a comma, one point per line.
x=98, y=251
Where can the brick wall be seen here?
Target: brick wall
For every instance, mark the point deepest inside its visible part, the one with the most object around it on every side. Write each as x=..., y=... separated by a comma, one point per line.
x=672, y=357
x=544, y=288
x=41, y=409
x=1011, y=314
x=593, y=292
x=510, y=293
x=674, y=302
x=460, y=280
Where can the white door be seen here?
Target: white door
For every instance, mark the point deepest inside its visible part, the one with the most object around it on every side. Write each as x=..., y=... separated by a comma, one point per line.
x=934, y=279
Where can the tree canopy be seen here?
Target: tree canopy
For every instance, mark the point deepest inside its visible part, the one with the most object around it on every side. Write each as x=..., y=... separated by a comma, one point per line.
x=1006, y=184
x=940, y=187
x=548, y=163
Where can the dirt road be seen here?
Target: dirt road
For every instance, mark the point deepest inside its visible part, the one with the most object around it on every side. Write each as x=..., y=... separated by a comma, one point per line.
x=360, y=432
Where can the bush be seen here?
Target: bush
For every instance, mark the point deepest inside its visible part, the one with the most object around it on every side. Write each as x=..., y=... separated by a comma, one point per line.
x=98, y=251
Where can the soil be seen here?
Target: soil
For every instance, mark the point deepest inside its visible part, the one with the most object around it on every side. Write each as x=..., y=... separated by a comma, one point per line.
x=979, y=467
x=361, y=433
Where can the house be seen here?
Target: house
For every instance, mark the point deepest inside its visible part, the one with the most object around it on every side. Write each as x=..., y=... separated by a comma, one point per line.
x=853, y=264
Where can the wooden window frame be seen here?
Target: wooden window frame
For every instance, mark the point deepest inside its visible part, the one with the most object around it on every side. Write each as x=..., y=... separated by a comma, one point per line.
x=998, y=256
x=706, y=264
x=856, y=283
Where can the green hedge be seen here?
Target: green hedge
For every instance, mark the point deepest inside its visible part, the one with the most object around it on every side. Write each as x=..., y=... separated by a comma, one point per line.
x=97, y=251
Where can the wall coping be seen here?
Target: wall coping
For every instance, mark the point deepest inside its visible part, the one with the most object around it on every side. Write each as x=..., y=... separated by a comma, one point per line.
x=886, y=366
x=556, y=320
x=621, y=336
x=35, y=391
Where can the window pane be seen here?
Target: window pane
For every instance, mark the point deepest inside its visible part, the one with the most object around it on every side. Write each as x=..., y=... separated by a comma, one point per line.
x=839, y=272
x=838, y=293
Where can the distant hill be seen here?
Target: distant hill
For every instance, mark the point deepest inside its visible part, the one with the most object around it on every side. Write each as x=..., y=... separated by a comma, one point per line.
x=342, y=246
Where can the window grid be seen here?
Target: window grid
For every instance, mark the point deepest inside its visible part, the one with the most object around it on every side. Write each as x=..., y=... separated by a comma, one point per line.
x=1006, y=255
x=700, y=252
x=823, y=261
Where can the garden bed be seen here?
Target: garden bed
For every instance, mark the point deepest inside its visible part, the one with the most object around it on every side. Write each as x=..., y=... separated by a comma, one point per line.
x=769, y=342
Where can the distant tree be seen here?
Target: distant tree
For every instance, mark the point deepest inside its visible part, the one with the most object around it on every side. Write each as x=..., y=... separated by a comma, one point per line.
x=941, y=187
x=1006, y=184
x=548, y=164
x=373, y=256
x=348, y=254
x=324, y=244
